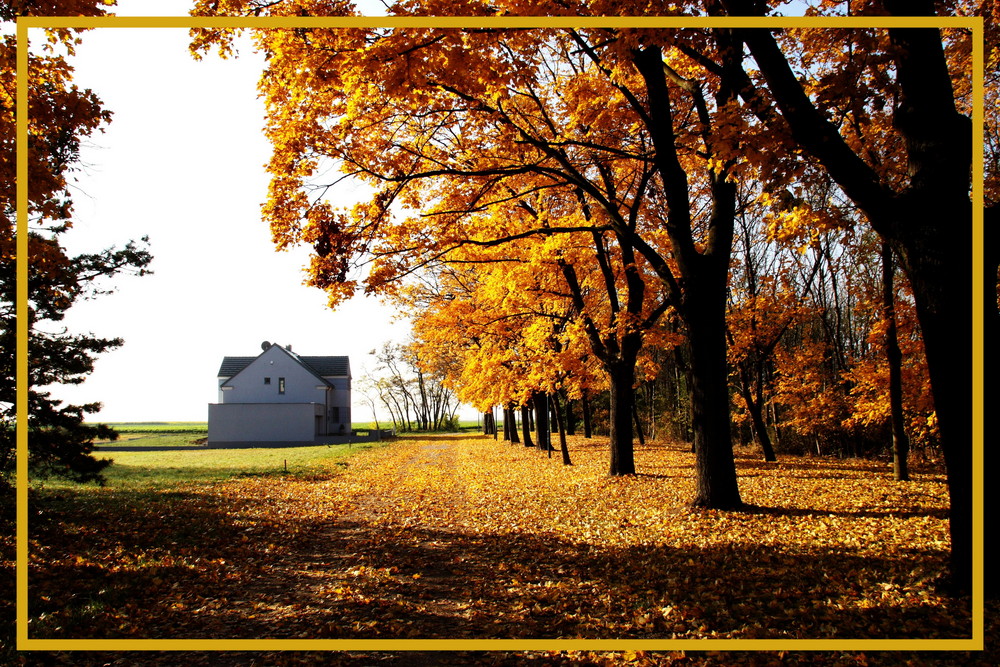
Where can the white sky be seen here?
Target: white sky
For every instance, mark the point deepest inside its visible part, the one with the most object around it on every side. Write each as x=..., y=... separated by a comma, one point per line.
x=182, y=162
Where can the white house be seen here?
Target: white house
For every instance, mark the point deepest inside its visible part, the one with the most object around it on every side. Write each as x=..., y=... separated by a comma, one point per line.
x=281, y=397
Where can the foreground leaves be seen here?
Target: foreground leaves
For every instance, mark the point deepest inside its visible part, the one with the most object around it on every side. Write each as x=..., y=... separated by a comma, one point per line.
x=449, y=538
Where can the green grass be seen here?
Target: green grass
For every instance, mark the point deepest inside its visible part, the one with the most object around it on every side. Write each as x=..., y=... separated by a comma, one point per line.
x=158, y=427
x=163, y=470
x=170, y=439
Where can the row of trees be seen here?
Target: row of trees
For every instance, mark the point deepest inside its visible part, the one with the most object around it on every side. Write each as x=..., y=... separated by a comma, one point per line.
x=809, y=370
x=581, y=203
x=414, y=393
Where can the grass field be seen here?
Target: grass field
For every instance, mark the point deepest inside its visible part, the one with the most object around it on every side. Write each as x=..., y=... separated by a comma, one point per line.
x=193, y=434
x=159, y=470
x=193, y=439
x=159, y=427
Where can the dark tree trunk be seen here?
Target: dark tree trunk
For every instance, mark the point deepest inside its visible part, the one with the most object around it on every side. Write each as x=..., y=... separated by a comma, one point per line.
x=760, y=433
x=715, y=466
x=506, y=425
x=943, y=309
x=931, y=231
x=704, y=271
x=621, y=377
x=637, y=421
x=526, y=426
x=511, y=414
x=557, y=413
x=541, y=422
x=588, y=431
x=991, y=363
x=755, y=407
x=900, y=441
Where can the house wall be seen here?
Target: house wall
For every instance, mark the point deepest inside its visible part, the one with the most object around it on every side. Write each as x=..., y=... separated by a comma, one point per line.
x=327, y=411
x=248, y=385
x=263, y=422
x=340, y=398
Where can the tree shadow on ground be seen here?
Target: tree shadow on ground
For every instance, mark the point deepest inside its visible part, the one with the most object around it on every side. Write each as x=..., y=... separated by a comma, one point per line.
x=190, y=567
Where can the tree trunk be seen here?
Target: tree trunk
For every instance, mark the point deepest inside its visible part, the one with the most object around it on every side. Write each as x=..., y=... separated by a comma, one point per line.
x=717, y=486
x=541, y=422
x=637, y=421
x=943, y=309
x=755, y=407
x=622, y=377
x=704, y=271
x=526, y=426
x=760, y=430
x=511, y=414
x=557, y=412
x=900, y=441
x=588, y=431
x=932, y=224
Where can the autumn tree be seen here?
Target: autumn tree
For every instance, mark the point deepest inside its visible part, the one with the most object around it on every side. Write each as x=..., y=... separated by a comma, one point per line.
x=61, y=116
x=767, y=296
x=523, y=325
x=907, y=168
x=448, y=146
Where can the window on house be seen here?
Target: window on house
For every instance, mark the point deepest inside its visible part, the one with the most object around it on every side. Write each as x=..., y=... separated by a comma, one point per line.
x=281, y=385
x=267, y=380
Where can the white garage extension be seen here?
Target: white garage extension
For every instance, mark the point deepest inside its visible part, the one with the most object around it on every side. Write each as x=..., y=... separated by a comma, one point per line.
x=281, y=397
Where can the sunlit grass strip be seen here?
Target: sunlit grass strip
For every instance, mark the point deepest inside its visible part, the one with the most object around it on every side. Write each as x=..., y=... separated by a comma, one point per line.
x=975, y=25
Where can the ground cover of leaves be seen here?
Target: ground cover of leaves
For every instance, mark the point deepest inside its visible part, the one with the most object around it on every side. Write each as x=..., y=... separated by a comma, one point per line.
x=448, y=537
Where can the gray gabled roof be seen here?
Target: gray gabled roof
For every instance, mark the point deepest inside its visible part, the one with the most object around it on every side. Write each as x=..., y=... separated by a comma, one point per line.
x=233, y=365
x=328, y=366
x=321, y=366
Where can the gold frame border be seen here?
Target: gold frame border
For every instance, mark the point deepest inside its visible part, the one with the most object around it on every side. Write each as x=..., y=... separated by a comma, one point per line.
x=24, y=643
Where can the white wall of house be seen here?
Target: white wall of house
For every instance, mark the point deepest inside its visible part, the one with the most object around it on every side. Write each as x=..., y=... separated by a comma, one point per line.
x=339, y=404
x=255, y=422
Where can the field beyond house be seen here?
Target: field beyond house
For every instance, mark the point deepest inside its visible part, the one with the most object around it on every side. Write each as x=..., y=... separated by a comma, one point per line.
x=168, y=434
x=467, y=537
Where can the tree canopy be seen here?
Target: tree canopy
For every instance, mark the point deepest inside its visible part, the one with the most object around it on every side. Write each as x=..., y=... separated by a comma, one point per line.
x=633, y=155
x=61, y=117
